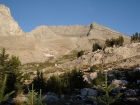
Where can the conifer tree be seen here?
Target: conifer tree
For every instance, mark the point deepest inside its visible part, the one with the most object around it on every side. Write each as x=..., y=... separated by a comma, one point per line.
x=3, y=96
x=80, y=53
x=136, y=36
x=54, y=84
x=10, y=66
x=39, y=82
x=76, y=80
x=107, y=43
x=14, y=79
x=95, y=47
x=34, y=99
x=106, y=99
x=121, y=40
x=3, y=62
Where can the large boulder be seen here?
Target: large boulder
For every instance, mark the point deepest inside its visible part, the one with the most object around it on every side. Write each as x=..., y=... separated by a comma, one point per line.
x=88, y=92
x=51, y=97
x=119, y=82
x=90, y=77
x=130, y=92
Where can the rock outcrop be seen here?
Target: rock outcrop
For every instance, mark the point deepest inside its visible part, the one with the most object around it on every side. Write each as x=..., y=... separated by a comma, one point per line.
x=124, y=56
x=8, y=26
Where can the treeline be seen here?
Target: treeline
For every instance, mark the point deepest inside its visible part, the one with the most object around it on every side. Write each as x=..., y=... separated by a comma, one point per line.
x=10, y=66
x=11, y=79
x=10, y=76
x=109, y=43
x=135, y=37
x=11, y=82
x=63, y=84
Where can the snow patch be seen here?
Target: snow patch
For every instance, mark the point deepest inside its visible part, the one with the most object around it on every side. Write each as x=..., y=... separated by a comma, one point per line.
x=48, y=55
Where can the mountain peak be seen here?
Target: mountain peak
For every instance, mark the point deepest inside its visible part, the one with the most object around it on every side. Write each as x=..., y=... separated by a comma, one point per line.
x=5, y=10
x=8, y=26
x=42, y=32
x=102, y=28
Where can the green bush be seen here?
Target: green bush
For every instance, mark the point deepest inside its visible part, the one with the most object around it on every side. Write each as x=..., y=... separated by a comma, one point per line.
x=118, y=41
x=80, y=53
x=93, y=68
x=99, y=80
x=26, y=76
x=39, y=82
x=54, y=84
x=95, y=47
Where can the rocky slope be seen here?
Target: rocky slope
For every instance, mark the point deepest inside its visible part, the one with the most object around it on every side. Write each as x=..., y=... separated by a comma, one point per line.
x=70, y=31
x=49, y=41
x=101, y=32
x=117, y=57
x=42, y=32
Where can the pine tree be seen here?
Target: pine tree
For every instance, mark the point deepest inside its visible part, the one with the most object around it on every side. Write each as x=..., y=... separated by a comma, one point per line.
x=41, y=98
x=80, y=53
x=131, y=39
x=100, y=79
x=3, y=57
x=3, y=96
x=14, y=80
x=39, y=82
x=3, y=62
x=65, y=82
x=76, y=80
x=107, y=43
x=121, y=40
x=54, y=84
x=106, y=99
x=95, y=47
x=10, y=66
x=136, y=36
x=33, y=99
x=139, y=37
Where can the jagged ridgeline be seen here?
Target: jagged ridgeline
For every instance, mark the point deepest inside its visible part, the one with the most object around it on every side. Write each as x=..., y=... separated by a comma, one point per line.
x=50, y=41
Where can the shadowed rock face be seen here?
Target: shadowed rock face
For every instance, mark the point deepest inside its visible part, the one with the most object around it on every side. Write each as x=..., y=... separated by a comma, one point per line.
x=35, y=46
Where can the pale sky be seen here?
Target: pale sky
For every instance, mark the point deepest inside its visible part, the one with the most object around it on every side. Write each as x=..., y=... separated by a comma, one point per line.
x=120, y=15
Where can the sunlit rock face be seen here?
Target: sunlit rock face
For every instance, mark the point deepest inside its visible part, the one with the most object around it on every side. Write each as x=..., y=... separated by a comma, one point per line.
x=8, y=26
x=53, y=41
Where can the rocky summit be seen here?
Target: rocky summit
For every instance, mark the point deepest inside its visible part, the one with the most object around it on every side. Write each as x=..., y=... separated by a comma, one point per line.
x=50, y=41
x=8, y=26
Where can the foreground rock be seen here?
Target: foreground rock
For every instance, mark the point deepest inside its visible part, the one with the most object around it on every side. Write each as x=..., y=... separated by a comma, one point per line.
x=117, y=57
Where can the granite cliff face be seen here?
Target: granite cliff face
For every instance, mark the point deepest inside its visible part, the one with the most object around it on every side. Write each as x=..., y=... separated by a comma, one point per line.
x=49, y=41
x=8, y=26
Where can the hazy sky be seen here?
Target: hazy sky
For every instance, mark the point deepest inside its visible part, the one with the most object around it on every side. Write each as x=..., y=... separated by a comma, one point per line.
x=120, y=15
